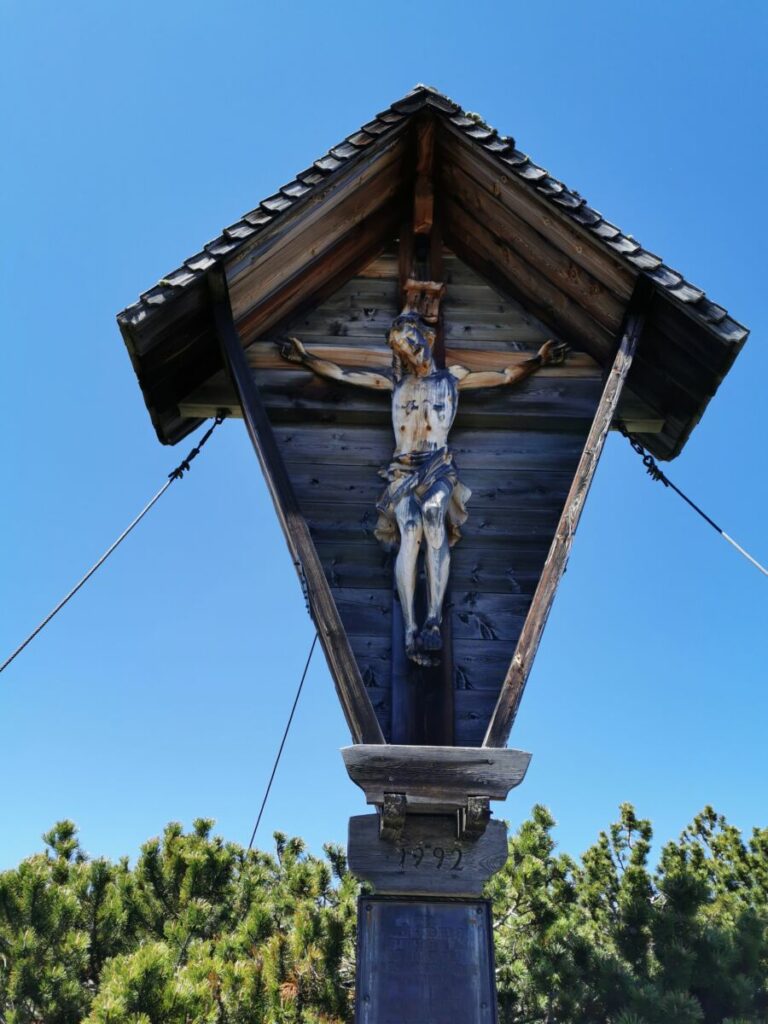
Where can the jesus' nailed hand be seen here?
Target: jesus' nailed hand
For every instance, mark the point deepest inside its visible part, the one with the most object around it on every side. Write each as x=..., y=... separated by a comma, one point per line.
x=424, y=500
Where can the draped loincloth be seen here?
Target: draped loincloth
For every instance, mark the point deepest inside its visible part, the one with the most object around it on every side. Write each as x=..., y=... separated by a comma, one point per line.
x=414, y=475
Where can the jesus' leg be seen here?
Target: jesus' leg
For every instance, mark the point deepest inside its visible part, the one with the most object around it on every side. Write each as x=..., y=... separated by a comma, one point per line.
x=437, y=561
x=408, y=516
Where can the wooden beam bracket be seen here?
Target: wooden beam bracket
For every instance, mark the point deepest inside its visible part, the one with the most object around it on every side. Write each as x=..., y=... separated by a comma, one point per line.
x=350, y=688
x=405, y=781
x=424, y=190
x=513, y=686
x=472, y=819
x=392, y=817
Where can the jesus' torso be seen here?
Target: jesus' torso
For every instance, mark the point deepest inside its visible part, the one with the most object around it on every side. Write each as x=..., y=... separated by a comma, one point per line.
x=423, y=411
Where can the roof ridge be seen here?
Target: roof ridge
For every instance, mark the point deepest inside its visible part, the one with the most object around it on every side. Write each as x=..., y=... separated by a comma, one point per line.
x=503, y=150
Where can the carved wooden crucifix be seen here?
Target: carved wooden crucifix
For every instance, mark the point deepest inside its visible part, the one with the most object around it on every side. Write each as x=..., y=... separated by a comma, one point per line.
x=424, y=502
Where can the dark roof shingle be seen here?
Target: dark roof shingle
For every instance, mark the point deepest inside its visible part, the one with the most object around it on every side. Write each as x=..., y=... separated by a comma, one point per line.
x=502, y=148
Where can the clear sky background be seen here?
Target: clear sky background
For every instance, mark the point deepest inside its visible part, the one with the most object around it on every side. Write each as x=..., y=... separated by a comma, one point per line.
x=132, y=133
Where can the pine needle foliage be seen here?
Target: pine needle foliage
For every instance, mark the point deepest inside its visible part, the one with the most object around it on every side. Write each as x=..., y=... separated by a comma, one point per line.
x=201, y=931
x=610, y=941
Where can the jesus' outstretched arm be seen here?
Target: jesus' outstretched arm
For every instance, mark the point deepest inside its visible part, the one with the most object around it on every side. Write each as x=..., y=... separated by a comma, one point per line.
x=294, y=352
x=550, y=354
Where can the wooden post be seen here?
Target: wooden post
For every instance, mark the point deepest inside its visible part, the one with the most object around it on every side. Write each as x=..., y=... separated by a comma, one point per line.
x=512, y=688
x=425, y=947
x=422, y=697
x=423, y=191
x=353, y=696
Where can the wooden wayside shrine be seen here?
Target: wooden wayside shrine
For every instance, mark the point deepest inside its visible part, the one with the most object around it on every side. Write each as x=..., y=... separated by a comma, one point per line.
x=429, y=338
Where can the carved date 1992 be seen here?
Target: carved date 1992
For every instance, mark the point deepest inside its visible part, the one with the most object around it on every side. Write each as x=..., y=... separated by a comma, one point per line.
x=440, y=858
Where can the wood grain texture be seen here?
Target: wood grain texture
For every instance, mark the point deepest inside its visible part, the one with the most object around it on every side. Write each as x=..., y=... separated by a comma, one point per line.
x=352, y=484
x=442, y=774
x=527, y=646
x=423, y=190
x=428, y=860
x=492, y=253
x=535, y=249
x=478, y=615
x=275, y=256
x=557, y=228
x=355, y=702
x=335, y=476
x=319, y=272
x=296, y=394
x=333, y=441
x=475, y=449
x=479, y=667
x=266, y=356
x=365, y=565
x=422, y=697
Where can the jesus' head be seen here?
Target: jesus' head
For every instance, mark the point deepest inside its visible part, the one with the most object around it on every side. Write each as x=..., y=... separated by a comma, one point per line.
x=411, y=341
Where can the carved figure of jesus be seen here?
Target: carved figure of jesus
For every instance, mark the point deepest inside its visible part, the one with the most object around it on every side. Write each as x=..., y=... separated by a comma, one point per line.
x=424, y=502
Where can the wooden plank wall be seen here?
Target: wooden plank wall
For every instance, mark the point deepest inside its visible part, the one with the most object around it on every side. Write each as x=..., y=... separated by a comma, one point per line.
x=517, y=449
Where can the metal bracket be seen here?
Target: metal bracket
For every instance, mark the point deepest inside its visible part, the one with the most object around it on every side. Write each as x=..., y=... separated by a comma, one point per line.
x=472, y=820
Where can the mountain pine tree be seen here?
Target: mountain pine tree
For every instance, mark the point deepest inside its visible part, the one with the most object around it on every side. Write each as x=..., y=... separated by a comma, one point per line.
x=200, y=930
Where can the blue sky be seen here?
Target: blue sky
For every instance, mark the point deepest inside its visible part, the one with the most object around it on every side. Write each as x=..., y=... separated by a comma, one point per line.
x=133, y=133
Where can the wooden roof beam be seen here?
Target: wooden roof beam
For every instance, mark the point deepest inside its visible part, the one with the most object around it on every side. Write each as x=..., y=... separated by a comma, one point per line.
x=318, y=278
x=603, y=305
x=359, y=215
x=357, y=707
x=513, y=686
x=561, y=230
x=505, y=268
x=424, y=190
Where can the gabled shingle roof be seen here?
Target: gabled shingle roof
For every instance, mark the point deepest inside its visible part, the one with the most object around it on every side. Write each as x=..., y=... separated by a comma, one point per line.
x=688, y=345
x=504, y=150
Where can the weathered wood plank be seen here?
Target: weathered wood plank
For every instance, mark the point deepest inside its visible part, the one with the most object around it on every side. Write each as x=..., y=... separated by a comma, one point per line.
x=491, y=617
x=474, y=312
x=470, y=417
x=329, y=522
x=478, y=664
x=474, y=709
x=330, y=266
x=517, y=675
x=439, y=773
x=502, y=570
x=506, y=450
x=486, y=330
x=464, y=300
x=264, y=266
x=494, y=617
x=263, y=356
x=353, y=483
x=497, y=259
x=474, y=449
x=354, y=700
x=423, y=189
x=422, y=698
x=575, y=242
x=374, y=655
x=563, y=402
x=386, y=267
x=601, y=304
x=429, y=860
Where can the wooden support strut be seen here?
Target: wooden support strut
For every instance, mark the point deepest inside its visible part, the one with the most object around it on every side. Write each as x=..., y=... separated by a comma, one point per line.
x=423, y=191
x=354, y=699
x=512, y=688
x=422, y=697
